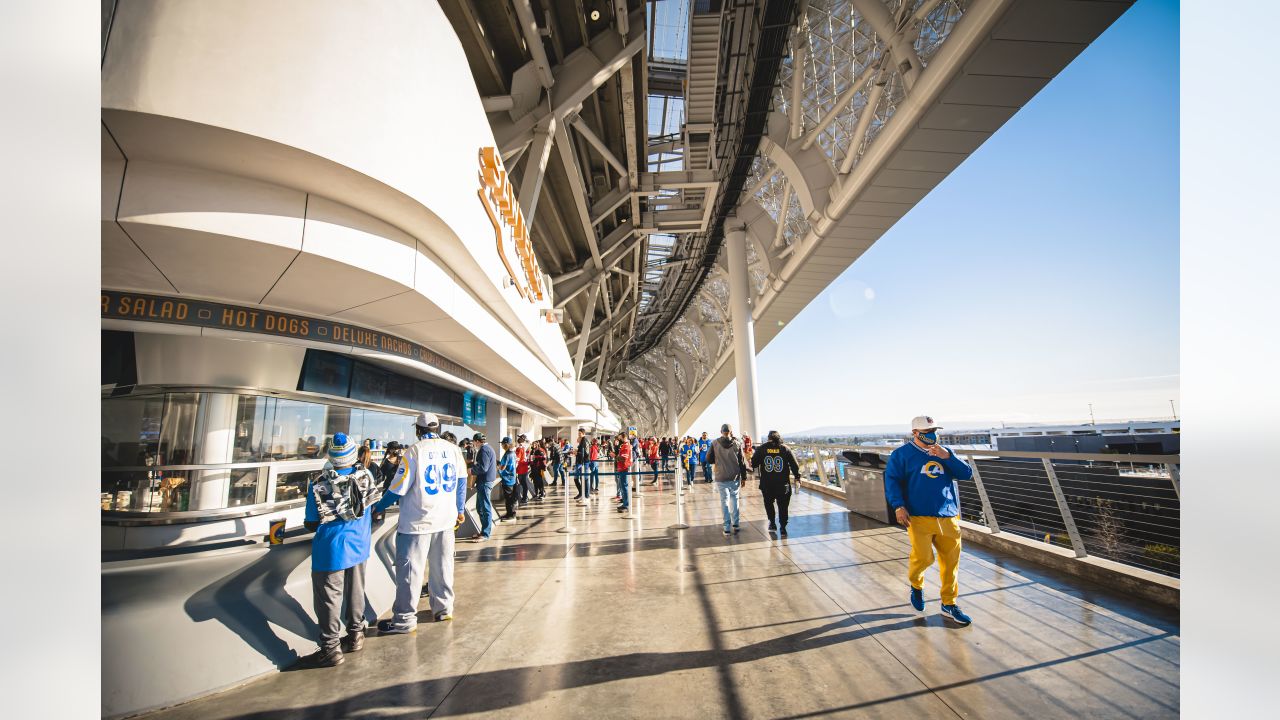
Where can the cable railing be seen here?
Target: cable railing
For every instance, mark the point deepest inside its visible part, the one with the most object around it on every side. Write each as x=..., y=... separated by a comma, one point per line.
x=1125, y=508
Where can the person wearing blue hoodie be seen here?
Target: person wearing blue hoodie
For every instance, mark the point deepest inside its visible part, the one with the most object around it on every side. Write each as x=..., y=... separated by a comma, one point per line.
x=507, y=473
x=918, y=485
x=337, y=510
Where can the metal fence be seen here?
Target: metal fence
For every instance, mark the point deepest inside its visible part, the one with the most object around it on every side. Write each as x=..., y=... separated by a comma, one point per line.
x=1125, y=508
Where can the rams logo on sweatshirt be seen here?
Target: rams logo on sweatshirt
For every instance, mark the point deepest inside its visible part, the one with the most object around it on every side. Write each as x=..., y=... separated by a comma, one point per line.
x=932, y=468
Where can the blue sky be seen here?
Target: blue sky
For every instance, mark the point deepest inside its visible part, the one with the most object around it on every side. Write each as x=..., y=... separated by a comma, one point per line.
x=1039, y=277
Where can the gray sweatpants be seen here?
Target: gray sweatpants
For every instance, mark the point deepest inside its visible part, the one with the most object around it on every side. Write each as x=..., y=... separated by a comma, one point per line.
x=435, y=550
x=327, y=589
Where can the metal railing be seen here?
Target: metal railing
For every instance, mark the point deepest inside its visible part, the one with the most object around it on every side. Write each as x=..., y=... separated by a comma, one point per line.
x=1125, y=508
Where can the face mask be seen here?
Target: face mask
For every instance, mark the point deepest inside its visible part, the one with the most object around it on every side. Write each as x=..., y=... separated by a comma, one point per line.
x=930, y=438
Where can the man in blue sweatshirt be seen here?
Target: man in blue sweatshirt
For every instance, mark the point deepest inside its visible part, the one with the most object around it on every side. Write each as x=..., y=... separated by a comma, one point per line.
x=704, y=446
x=485, y=470
x=918, y=485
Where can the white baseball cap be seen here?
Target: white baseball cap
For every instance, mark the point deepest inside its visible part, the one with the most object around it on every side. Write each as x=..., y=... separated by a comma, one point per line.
x=426, y=419
x=924, y=422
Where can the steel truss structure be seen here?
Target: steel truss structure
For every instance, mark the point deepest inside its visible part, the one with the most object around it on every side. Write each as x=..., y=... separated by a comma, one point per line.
x=796, y=121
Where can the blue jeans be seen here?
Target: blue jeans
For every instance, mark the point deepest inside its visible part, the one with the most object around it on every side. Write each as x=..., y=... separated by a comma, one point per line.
x=625, y=490
x=706, y=472
x=557, y=474
x=594, y=467
x=728, y=492
x=582, y=480
x=484, y=506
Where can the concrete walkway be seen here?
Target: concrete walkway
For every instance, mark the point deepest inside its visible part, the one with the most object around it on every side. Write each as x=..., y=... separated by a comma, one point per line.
x=625, y=618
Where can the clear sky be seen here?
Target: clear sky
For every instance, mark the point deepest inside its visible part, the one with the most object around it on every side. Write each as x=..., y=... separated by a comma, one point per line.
x=1039, y=277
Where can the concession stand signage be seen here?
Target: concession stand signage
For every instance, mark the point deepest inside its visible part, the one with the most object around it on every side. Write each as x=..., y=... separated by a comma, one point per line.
x=515, y=248
x=222, y=316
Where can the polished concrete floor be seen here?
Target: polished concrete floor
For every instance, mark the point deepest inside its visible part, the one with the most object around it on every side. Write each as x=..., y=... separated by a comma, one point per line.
x=626, y=618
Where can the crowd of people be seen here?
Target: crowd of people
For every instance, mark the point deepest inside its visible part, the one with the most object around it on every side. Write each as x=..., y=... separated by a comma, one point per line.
x=430, y=480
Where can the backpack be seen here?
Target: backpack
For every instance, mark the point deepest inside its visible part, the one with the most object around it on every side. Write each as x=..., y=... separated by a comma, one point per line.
x=344, y=497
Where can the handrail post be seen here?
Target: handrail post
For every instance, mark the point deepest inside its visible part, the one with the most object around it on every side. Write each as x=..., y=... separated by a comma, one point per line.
x=1076, y=543
x=679, y=524
x=817, y=460
x=1176, y=479
x=988, y=512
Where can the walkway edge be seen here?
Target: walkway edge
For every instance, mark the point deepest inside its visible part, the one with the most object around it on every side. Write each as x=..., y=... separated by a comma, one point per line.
x=1145, y=584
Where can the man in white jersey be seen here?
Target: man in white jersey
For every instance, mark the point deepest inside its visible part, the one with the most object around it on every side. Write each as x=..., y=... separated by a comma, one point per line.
x=430, y=485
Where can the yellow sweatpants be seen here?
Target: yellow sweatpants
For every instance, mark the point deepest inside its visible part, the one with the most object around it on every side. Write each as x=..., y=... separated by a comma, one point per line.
x=926, y=534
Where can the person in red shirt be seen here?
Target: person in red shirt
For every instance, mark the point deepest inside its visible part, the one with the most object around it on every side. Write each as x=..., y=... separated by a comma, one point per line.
x=621, y=465
x=538, y=468
x=522, y=469
x=594, y=467
x=651, y=453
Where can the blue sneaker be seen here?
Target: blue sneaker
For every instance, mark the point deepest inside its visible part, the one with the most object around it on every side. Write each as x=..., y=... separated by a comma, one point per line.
x=955, y=613
x=917, y=599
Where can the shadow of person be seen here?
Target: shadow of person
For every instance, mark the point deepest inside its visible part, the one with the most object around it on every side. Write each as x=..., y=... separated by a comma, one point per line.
x=253, y=598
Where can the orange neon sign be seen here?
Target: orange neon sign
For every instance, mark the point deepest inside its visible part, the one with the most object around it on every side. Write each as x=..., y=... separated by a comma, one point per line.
x=510, y=231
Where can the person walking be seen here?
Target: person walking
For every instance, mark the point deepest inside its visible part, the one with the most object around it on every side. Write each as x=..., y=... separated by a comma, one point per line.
x=704, y=445
x=556, y=462
x=651, y=456
x=594, y=464
x=664, y=452
x=431, y=487
x=689, y=456
x=507, y=472
x=581, y=468
x=725, y=456
x=522, y=469
x=776, y=464
x=918, y=485
x=485, y=471
x=621, y=464
x=338, y=512
x=538, y=469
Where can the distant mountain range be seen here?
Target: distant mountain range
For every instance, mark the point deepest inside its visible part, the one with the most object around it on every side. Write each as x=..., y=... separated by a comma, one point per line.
x=902, y=429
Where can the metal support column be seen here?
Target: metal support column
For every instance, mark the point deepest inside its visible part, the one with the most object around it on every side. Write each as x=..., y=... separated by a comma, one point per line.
x=535, y=168
x=1076, y=543
x=987, y=511
x=584, y=336
x=822, y=470
x=744, y=336
x=672, y=421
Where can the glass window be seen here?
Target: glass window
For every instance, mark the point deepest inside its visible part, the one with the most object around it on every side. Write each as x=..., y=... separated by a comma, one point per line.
x=179, y=435
x=385, y=427
x=247, y=487
x=298, y=430
x=292, y=486
x=146, y=490
x=338, y=421
x=254, y=417
x=131, y=430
